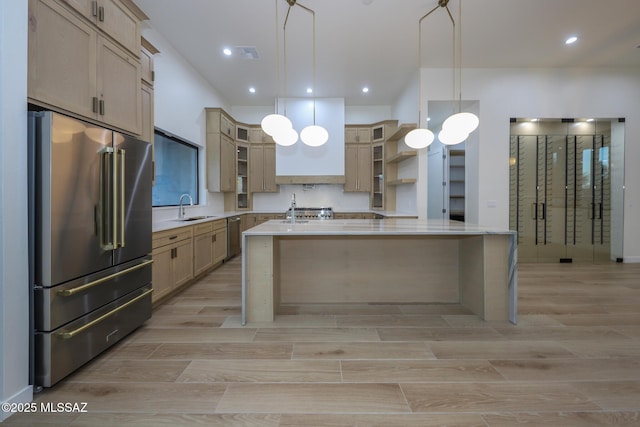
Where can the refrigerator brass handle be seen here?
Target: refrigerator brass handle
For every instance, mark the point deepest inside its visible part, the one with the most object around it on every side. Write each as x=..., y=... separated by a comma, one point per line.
x=599, y=210
x=106, y=222
x=544, y=211
x=115, y=218
x=65, y=335
x=121, y=191
x=73, y=291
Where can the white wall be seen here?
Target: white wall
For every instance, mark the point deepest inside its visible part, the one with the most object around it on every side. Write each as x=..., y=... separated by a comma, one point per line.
x=366, y=114
x=505, y=93
x=180, y=96
x=14, y=278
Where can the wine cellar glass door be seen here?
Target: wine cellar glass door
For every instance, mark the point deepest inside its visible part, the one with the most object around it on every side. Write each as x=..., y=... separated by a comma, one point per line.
x=538, y=196
x=560, y=197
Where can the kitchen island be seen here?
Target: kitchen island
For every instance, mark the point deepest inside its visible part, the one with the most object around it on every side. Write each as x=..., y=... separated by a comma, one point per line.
x=391, y=261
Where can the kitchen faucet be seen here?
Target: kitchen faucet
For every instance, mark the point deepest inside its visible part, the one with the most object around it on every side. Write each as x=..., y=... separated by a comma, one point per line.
x=293, y=208
x=181, y=207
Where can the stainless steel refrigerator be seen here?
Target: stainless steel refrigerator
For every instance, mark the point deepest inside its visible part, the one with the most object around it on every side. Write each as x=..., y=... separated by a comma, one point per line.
x=90, y=209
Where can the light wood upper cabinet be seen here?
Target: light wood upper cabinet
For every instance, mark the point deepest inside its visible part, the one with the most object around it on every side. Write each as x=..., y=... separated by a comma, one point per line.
x=221, y=151
x=62, y=58
x=257, y=135
x=262, y=167
x=75, y=67
x=221, y=159
x=357, y=134
x=357, y=167
x=113, y=17
x=262, y=162
x=119, y=87
x=147, y=50
x=146, y=94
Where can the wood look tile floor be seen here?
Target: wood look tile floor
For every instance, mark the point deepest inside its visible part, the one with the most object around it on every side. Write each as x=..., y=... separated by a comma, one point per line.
x=573, y=360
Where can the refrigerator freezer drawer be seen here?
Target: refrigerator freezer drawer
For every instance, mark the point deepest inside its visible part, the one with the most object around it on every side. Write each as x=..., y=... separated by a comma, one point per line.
x=60, y=352
x=62, y=304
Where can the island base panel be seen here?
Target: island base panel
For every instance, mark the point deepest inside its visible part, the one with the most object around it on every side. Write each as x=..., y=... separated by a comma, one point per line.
x=368, y=269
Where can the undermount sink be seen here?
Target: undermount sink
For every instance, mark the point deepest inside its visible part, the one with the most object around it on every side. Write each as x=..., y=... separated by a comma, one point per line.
x=194, y=218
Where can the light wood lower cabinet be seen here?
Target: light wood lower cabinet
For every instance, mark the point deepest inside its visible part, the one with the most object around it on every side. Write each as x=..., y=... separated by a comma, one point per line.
x=203, y=238
x=172, y=260
x=185, y=253
x=219, y=241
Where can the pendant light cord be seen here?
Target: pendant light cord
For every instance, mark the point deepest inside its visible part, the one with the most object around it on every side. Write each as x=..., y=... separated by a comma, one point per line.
x=277, y=63
x=420, y=64
x=460, y=55
x=284, y=30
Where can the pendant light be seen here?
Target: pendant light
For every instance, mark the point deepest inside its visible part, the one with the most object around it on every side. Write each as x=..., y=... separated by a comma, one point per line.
x=313, y=135
x=279, y=126
x=276, y=125
x=457, y=127
x=420, y=138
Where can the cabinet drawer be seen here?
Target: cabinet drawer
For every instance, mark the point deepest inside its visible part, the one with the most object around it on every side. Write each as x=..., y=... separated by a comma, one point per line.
x=162, y=238
x=219, y=224
x=267, y=217
x=206, y=227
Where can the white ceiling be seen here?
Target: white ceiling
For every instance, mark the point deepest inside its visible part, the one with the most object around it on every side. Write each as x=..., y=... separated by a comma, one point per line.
x=375, y=42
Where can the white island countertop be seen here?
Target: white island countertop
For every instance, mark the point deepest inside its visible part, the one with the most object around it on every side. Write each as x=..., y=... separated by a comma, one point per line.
x=389, y=226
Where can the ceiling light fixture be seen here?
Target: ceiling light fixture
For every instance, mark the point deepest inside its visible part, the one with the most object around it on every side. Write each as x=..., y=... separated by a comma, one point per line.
x=226, y=51
x=457, y=127
x=571, y=40
x=283, y=132
x=365, y=90
x=252, y=89
x=274, y=124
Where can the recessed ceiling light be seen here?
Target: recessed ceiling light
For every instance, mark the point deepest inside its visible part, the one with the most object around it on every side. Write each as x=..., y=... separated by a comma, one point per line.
x=571, y=40
x=309, y=90
x=365, y=89
x=226, y=51
x=252, y=89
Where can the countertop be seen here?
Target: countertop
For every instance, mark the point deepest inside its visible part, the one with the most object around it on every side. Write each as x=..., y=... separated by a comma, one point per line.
x=389, y=226
x=175, y=223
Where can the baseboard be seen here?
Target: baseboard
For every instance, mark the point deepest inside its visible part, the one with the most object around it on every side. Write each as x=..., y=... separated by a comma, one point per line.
x=23, y=396
x=631, y=259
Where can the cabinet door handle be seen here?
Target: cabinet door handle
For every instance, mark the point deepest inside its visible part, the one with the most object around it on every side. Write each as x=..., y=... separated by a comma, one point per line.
x=101, y=14
x=101, y=107
x=94, y=106
x=534, y=211
x=94, y=8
